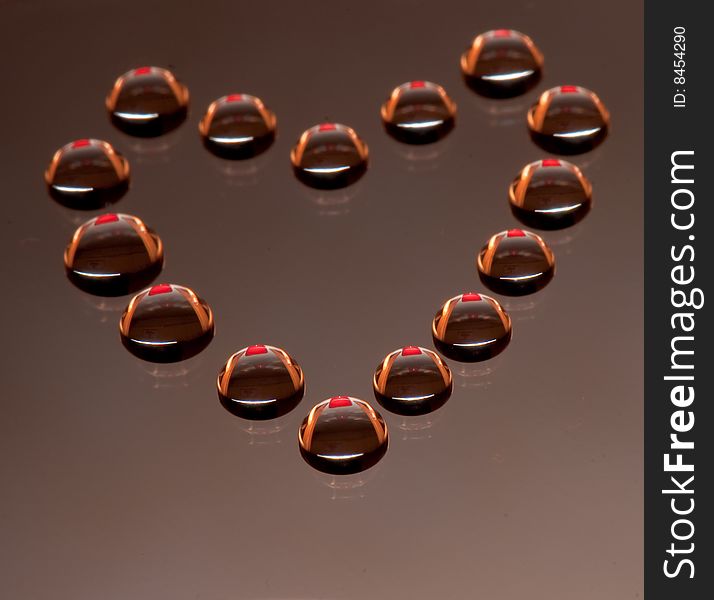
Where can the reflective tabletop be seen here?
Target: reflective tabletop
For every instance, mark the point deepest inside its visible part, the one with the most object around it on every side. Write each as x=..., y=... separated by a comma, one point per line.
x=128, y=479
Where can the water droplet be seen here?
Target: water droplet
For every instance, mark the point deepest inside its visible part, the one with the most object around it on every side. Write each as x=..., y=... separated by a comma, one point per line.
x=329, y=156
x=237, y=126
x=502, y=63
x=412, y=381
x=87, y=174
x=471, y=327
x=516, y=263
x=550, y=194
x=568, y=120
x=166, y=323
x=260, y=382
x=418, y=112
x=147, y=102
x=113, y=255
x=343, y=435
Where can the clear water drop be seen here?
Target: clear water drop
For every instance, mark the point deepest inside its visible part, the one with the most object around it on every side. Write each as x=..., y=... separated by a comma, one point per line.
x=418, y=112
x=147, y=102
x=343, y=435
x=238, y=126
x=412, y=381
x=260, y=382
x=471, y=327
x=568, y=119
x=113, y=254
x=516, y=263
x=87, y=174
x=166, y=323
x=329, y=156
x=550, y=194
x=502, y=63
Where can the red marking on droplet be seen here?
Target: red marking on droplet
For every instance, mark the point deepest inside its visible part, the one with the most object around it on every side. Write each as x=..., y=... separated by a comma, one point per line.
x=502, y=33
x=142, y=71
x=515, y=233
x=81, y=143
x=162, y=288
x=340, y=402
x=108, y=218
x=568, y=89
x=550, y=162
x=234, y=97
x=470, y=297
x=257, y=349
x=410, y=351
x=417, y=84
x=327, y=127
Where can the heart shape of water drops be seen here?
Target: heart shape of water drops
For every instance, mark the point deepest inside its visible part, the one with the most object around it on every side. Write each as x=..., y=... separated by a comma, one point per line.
x=308, y=158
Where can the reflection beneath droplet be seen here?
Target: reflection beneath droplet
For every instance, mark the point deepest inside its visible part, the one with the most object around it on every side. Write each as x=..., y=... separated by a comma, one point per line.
x=498, y=458
x=423, y=158
x=174, y=376
x=477, y=375
x=72, y=217
x=586, y=162
x=562, y=241
x=417, y=428
x=153, y=151
x=242, y=173
x=266, y=433
x=524, y=309
x=347, y=487
x=105, y=310
x=501, y=113
x=332, y=203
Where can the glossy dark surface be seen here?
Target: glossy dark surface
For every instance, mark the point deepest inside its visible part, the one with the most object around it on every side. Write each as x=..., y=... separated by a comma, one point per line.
x=113, y=254
x=502, y=63
x=166, y=323
x=87, y=174
x=515, y=263
x=418, y=112
x=237, y=126
x=471, y=327
x=343, y=436
x=147, y=102
x=568, y=119
x=412, y=381
x=550, y=194
x=260, y=382
x=329, y=156
x=127, y=480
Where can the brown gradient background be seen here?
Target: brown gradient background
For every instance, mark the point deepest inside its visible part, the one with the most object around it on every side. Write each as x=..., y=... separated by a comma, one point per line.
x=123, y=480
